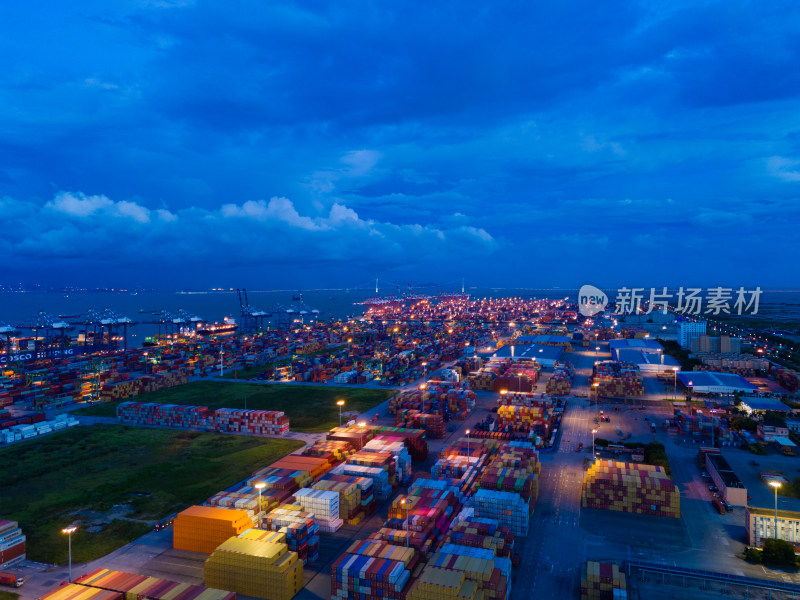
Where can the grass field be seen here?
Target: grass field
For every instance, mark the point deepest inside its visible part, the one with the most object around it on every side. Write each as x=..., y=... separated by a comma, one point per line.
x=46, y=481
x=310, y=408
x=4, y=595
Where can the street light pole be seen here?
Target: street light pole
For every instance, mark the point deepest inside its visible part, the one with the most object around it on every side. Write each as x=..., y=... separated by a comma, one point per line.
x=362, y=424
x=594, y=452
x=340, y=404
x=468, y=453
x=259, y=486
x=69, y=531
x=675, y=385
x=403, y=502
x=775, y=485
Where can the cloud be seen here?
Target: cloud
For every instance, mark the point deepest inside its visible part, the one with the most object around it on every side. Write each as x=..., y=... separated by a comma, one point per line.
x=166, y=215
x=268, y=133
x=360, y=162
x=271, y=232
x=784, y=168
x=722, y=219
x=133, y=211
x=79, y=205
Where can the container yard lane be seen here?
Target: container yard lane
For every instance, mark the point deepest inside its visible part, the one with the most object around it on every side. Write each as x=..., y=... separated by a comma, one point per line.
x=553, y=551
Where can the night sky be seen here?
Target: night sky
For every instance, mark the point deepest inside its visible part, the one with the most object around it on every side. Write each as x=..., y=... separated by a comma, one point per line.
x=263, y=144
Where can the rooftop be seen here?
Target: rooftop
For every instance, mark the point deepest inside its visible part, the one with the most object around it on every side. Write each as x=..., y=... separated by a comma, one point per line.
x=699, y=379
x=638, y=357
x=729, y=478
x=765, y=404
x=544, y=339
x=770, y=512
x=532, y=351
x=639, y=344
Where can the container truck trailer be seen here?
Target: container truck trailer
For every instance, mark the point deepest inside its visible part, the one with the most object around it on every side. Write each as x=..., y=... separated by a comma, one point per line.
x=10, y=579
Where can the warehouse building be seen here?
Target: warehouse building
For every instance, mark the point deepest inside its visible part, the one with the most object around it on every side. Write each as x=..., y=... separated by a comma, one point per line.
x=648, y=355
x=762, y=405
x=711, y=382
x=544, y=355
x=640, y=345
x=729, y=484
x=760, y=523
x=544, y=339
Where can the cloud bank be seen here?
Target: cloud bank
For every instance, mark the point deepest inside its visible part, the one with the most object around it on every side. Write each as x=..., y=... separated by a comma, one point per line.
x=508, y=143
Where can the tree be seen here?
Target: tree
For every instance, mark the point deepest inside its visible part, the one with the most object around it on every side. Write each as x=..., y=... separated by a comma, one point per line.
x=778, y=553
x=743, y=423
x=775, y=418
x=656, y=454
x=752, y=555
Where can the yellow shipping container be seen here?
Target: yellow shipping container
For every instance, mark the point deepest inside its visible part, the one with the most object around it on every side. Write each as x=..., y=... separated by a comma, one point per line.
x=255, y=568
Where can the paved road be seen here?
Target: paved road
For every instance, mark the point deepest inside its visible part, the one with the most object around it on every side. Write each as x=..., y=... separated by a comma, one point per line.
x=550, y=564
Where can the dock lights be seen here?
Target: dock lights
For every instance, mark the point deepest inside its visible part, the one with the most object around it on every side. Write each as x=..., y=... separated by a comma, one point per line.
x=775, y=485
x=259, y=486
x=403, y=502
x=594, y=454
x=362, y=424
x=675, y=383
x=468, y=453
x=71, y=529
x=340, y=404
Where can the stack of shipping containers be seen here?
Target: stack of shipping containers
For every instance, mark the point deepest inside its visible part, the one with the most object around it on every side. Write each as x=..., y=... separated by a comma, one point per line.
x=201, y=418
x=257, y=564
x=12, y=544
x=203, y=528
x=602, y=581
x=137, y=587
x=631, y=487
x=617, y=379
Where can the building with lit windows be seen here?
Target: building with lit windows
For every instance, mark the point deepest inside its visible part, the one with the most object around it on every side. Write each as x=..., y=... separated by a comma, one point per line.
x=689, y=330
x=760, y=523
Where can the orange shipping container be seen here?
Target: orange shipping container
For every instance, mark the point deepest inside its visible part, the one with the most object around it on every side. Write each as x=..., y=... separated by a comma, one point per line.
x=203, y=528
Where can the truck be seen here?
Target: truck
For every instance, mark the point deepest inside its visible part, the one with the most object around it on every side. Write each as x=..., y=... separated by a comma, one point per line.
x=10, y=579
x=717, y=503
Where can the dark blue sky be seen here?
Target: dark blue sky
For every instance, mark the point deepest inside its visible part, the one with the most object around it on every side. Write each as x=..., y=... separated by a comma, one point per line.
x=169, y=143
